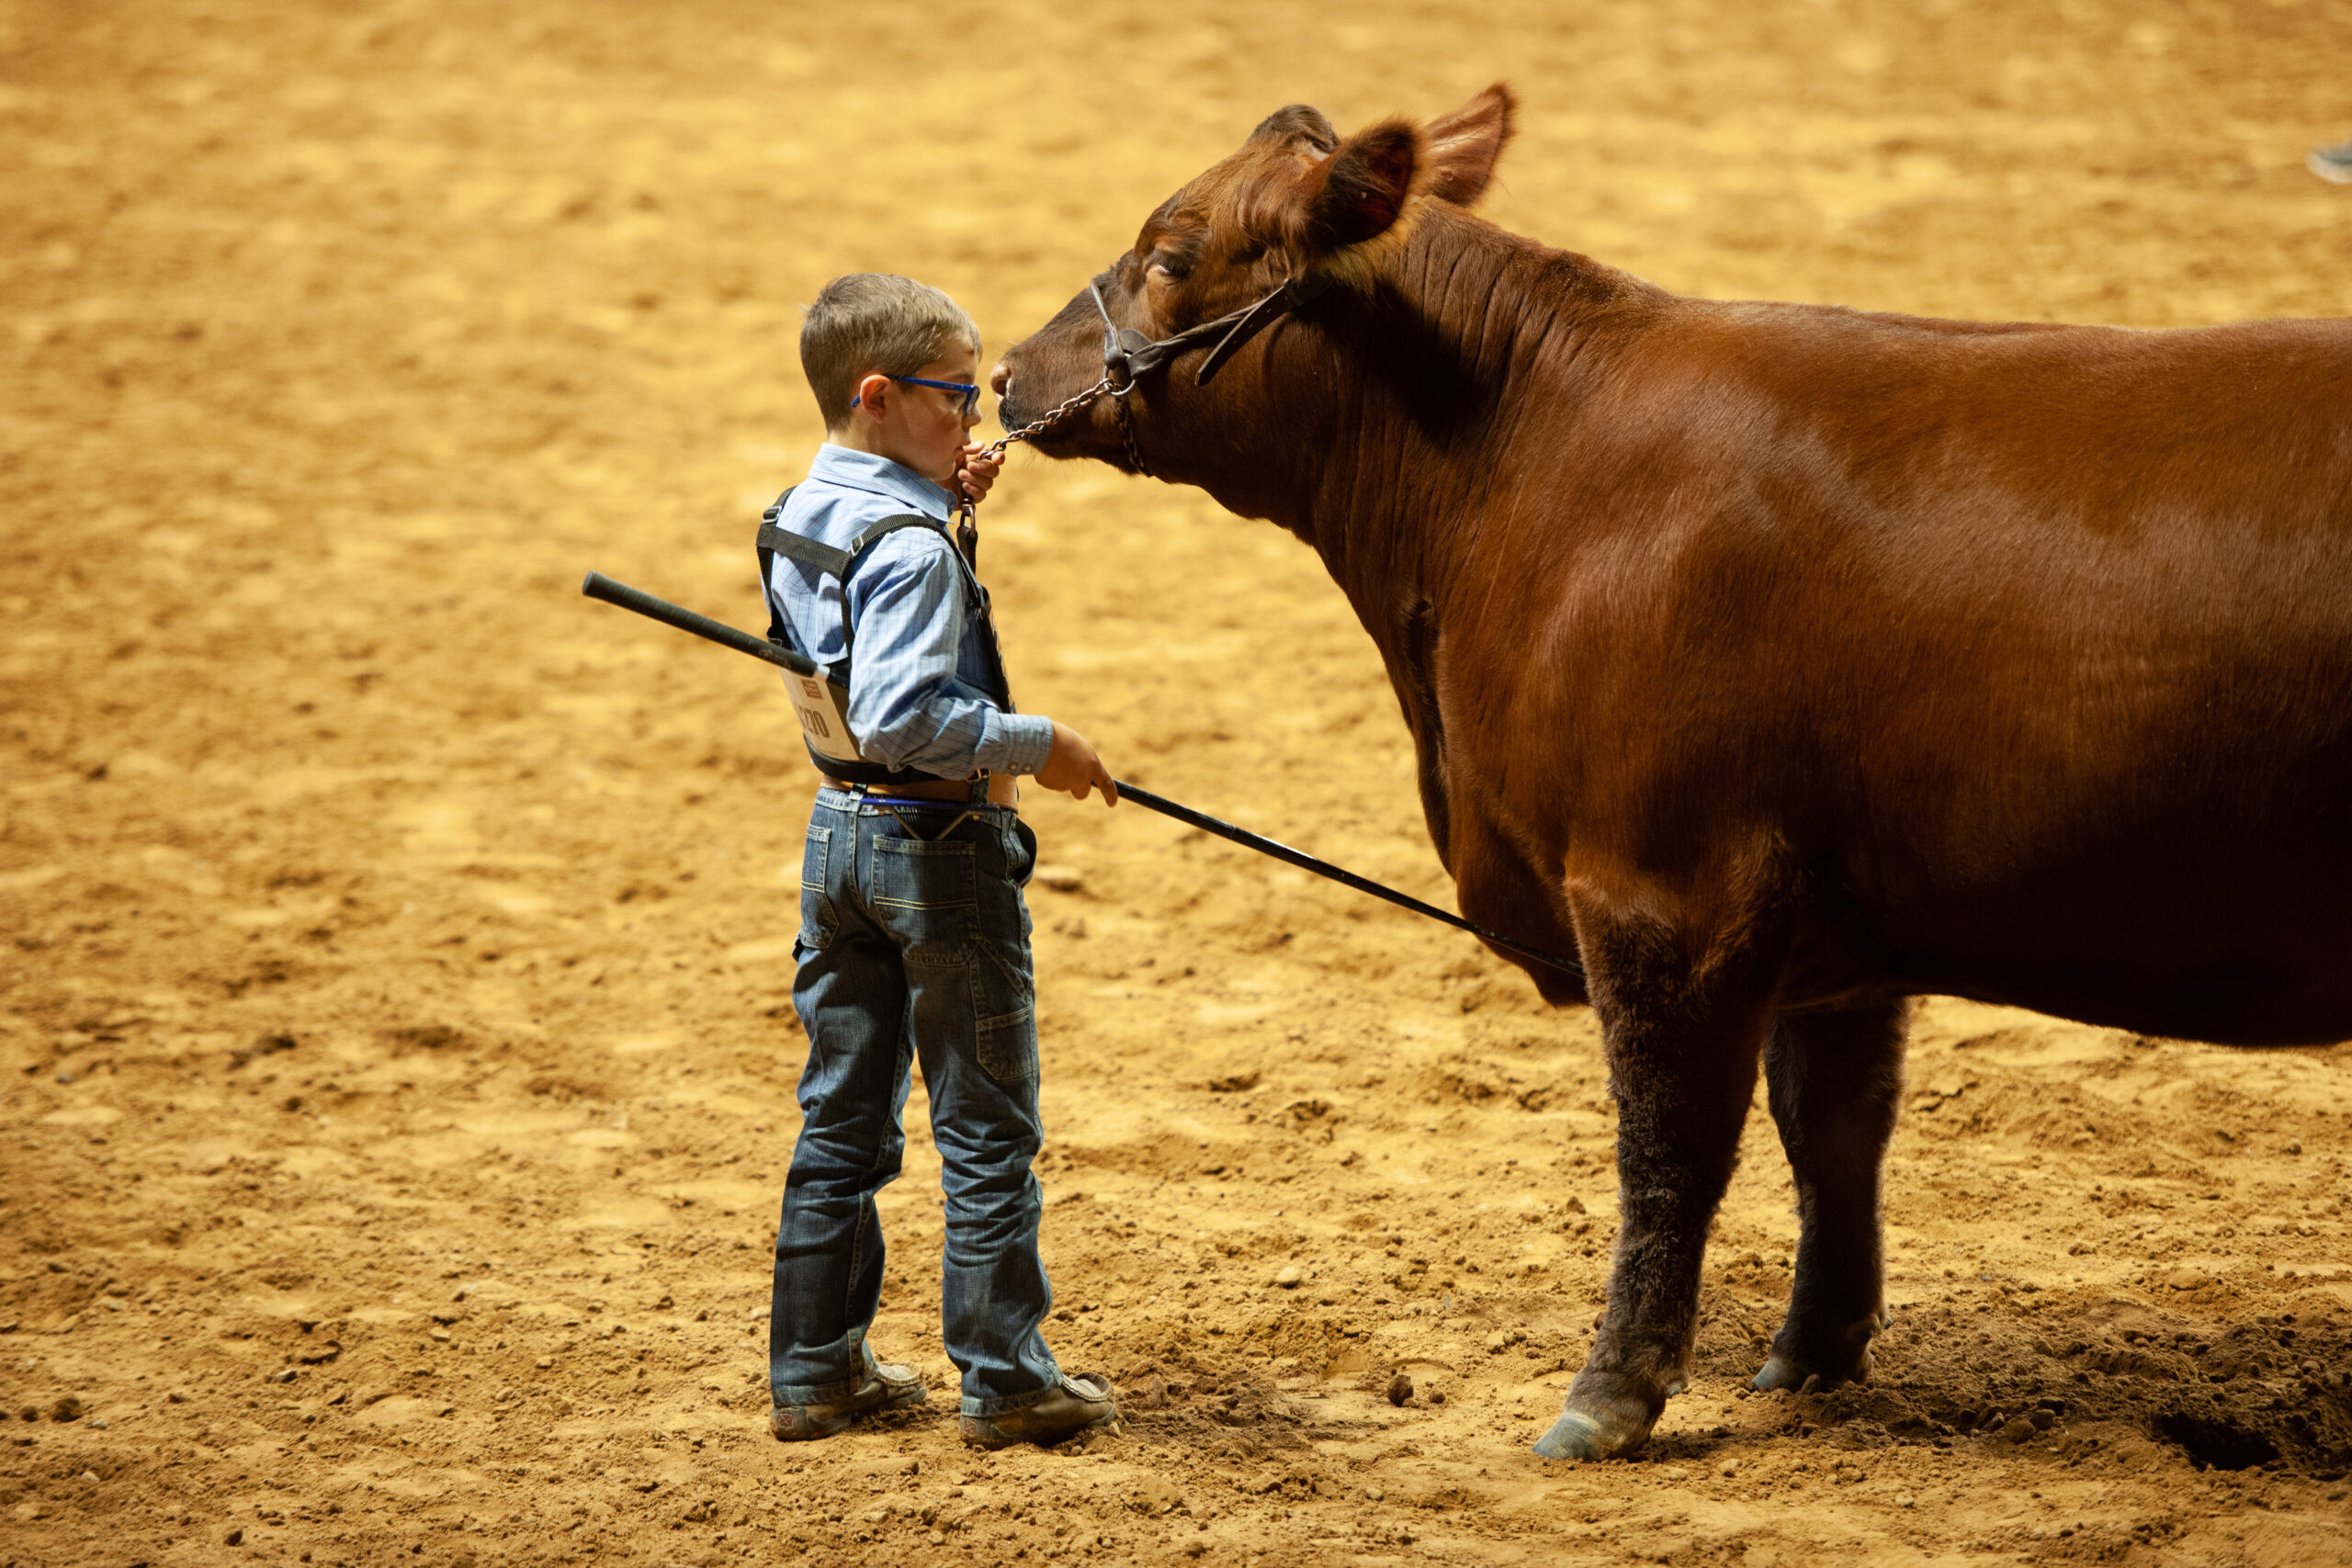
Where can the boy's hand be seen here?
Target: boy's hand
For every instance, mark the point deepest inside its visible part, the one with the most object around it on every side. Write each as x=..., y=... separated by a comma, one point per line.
x=975, y=474
x=1072, y=767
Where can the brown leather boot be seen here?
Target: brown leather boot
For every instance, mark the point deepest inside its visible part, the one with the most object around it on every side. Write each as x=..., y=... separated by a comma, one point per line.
x=887, y=1387
x=1077, y=1405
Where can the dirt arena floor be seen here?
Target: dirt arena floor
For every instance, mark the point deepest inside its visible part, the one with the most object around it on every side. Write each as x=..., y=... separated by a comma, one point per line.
x=398, y=1055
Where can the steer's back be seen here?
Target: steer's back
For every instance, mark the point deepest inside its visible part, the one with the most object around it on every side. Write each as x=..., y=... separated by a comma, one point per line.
x=2029, y=649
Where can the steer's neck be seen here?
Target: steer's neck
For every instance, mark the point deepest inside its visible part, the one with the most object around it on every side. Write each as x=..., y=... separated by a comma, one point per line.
x=1401, y=407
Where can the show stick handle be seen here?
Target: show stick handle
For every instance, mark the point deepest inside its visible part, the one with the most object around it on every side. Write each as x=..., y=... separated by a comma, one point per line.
x=597, y=585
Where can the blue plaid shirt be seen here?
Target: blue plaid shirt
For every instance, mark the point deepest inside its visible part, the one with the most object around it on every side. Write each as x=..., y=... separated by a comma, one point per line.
x=918, y=686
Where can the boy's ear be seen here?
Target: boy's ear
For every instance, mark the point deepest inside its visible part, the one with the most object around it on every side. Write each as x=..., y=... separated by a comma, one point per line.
x=1356, y=193
x=868, y=390
x=1461, y=148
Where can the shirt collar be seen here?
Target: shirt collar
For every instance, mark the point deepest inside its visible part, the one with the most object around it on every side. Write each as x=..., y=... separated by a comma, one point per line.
x=854, y=469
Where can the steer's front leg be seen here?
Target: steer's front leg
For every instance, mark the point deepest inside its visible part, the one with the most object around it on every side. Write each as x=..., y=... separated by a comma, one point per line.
x=1682, y=1055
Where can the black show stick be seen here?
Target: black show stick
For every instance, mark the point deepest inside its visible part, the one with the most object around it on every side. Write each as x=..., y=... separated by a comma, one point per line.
x=598, y=586
x=1345, y=878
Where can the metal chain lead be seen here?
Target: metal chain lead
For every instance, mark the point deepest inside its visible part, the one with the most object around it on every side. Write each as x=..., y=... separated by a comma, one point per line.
x=968, y=530
x=1049, y=419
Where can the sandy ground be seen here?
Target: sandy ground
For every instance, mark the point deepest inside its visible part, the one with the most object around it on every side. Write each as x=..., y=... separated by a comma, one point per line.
x=398, y=1055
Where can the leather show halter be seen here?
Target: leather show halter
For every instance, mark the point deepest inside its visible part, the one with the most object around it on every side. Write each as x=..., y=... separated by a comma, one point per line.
x=1128, y=356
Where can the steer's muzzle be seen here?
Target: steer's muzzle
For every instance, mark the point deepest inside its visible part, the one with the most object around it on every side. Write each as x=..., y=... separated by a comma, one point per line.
x=1057, y=361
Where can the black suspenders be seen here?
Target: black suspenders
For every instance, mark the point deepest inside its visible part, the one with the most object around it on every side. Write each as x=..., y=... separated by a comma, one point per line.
x=774, y=539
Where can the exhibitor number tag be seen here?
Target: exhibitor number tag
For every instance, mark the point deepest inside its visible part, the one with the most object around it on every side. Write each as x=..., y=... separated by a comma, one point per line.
x=822, y=706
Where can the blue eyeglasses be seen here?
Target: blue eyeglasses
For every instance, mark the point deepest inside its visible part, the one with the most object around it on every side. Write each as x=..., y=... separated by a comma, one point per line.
x=971, y=394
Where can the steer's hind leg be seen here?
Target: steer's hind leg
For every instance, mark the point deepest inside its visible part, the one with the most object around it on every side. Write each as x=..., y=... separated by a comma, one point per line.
x=1682, y=1066
x=1834, y=1079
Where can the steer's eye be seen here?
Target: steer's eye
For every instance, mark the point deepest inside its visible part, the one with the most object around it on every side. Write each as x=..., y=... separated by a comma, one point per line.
x=1170, y=268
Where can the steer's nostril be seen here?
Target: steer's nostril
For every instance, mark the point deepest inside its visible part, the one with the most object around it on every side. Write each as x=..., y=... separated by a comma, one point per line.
x=998, y=379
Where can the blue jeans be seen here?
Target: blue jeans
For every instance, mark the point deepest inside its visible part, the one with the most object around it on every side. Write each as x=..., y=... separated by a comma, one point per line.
x=914, y=944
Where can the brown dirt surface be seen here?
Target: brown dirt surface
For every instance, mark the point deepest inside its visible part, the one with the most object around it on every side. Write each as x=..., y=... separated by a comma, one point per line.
x=399, y=1056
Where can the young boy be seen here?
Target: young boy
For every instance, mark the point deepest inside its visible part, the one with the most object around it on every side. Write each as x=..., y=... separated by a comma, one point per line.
x=914, y=941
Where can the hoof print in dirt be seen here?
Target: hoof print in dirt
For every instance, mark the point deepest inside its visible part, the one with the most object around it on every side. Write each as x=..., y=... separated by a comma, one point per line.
x=2258, y=1395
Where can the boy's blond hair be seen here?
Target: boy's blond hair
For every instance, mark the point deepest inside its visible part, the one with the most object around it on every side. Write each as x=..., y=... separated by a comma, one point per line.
x=873, y=321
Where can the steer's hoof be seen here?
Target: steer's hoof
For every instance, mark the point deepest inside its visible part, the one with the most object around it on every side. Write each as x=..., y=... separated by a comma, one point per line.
x=1809, y=1377
x=1585, y=1433
x=1819, y=1374
x=1782, y=1372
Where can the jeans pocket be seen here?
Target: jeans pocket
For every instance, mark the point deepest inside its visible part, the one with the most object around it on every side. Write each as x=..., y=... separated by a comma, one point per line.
x=1021, y=852
x=816, y=907
x=1005, y=1043
x=924, y=895
x=1004, y=999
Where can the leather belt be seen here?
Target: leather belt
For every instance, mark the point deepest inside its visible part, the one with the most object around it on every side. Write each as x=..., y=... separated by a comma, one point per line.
x=1004, y=789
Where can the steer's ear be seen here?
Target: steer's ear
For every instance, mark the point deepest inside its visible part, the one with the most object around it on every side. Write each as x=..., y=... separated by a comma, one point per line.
x=1356, y=193
x=1461, y=148
x=1299, y=126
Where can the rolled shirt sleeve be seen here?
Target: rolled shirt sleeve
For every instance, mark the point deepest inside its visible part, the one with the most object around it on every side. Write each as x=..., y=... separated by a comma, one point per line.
x=908, y=706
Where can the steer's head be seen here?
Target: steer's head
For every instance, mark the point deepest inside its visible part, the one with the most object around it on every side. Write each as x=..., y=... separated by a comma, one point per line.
x=1297, y=201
